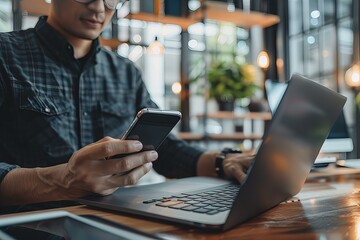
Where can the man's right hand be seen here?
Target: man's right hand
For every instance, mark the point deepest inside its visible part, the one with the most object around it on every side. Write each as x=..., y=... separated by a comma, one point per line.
x=87, y=172
x=90, y=171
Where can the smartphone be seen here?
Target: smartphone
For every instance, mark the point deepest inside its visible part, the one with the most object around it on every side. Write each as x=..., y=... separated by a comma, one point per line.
x=151, y=127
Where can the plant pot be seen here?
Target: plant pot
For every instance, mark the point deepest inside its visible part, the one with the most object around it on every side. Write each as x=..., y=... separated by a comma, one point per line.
x=226, y=105
x=258, y=105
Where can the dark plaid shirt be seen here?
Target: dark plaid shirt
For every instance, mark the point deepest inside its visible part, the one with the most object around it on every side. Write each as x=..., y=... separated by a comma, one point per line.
x=52, y=104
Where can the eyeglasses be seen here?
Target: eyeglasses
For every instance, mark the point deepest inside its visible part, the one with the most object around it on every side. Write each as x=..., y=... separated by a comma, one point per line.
x=110, y=4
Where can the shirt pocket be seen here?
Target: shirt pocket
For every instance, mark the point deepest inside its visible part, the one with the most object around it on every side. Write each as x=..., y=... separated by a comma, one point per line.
x=44, y=105
x=47, y=126
x=116, y=118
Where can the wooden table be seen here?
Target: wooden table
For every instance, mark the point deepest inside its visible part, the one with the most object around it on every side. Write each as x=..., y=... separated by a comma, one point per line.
x=325, y=218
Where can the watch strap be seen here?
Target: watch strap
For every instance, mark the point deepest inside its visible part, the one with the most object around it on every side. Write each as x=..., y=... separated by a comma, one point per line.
x=219, y=168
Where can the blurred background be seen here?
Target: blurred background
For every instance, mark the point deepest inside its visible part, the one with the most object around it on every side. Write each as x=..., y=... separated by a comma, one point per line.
x=211, y=59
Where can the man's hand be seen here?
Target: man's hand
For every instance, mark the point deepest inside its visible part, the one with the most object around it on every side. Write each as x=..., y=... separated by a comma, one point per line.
x=87, y=172
x=236, y=165
x=90, y=171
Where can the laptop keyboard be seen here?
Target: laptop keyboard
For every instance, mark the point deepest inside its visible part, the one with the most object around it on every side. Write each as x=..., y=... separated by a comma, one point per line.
x=208, y=201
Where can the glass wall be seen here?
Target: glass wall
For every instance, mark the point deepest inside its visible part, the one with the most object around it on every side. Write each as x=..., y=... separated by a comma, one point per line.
x=313, y=38
x=5, y=16
x=321, y=43
x=320, y=39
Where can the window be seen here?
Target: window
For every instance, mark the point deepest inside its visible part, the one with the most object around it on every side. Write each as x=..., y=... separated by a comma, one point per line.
x=315, y=45
x=5, y=16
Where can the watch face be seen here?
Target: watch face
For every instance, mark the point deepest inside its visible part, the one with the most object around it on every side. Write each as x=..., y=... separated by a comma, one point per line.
x=231, y=150
x=219, y=164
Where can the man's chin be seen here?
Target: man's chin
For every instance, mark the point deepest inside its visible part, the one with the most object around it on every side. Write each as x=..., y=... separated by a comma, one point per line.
x=88, y=36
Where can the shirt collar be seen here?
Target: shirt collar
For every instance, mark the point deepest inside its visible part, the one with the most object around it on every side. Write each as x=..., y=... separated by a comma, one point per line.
x=56, y=42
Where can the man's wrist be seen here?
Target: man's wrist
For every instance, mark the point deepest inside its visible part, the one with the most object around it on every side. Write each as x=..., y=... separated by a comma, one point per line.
x=52, y=179
x=219, y=169
x=219, y=160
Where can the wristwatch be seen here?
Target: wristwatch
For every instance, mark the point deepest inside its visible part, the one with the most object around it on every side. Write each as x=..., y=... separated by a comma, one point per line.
x=219, y=169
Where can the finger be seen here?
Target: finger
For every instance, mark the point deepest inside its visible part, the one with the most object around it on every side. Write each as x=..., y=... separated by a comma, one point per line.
x=130, y=178
x=246, y=162
x=235, y=167
x=109, y=148
x=104, y=139
x=239, y=174
x=125, y=164
x=234, y=170
x=108, y=191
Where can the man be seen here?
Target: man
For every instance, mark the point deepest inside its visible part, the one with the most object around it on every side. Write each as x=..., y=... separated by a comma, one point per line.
x=60, y=94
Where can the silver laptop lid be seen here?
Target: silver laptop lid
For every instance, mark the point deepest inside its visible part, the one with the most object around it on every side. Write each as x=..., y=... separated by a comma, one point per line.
x=289, y=148
x=338, y=140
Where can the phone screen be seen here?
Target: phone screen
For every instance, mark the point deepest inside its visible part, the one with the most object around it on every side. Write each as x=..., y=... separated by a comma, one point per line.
x=151, y=129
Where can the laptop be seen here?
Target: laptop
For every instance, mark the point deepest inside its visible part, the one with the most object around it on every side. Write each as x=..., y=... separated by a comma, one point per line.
x=338, y=140
x=290, y=145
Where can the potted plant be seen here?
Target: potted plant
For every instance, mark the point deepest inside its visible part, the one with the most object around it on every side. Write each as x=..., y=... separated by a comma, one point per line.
x=230, y=81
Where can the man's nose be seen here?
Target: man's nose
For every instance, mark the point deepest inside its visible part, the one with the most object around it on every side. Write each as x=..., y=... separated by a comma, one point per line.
x=97, y=6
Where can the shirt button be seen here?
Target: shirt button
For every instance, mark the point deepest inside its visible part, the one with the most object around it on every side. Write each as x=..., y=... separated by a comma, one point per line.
x=85, y=113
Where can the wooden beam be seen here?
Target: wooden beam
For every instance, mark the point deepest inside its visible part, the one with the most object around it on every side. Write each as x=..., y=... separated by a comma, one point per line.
x=189, y=136
x=217, y=11
x=158, y=7
x=35, y=7
x=111, y=43
x=184, y=23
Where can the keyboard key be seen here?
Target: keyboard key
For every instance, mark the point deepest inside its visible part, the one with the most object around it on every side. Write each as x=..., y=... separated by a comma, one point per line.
x=200, y=205
x=212, y=212
x=211, y=207
x=149, y=201
x=179, y=206
x=189, y=208
x=202, y=210
x=168, y=203
x=201, y=199
x=184, y=199
x=218, y=205
x=223, y=209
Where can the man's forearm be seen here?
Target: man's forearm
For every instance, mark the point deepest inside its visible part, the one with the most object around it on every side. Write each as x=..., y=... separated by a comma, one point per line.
x=31, y=185
x=206, y=164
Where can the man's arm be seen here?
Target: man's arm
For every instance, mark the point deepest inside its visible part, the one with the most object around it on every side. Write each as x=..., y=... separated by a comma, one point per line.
x=87, y=172
x=235, y=165
x=23, y=186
